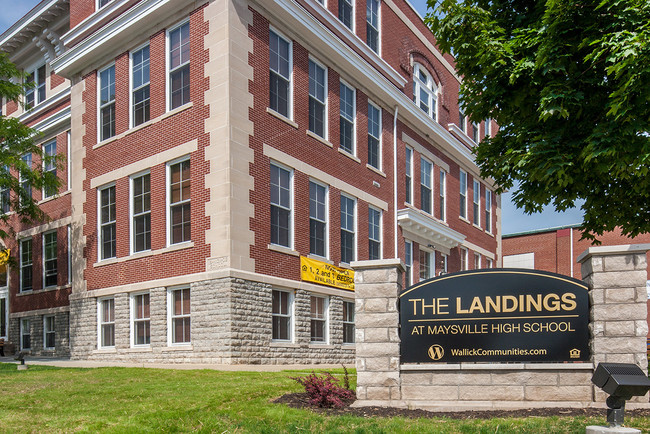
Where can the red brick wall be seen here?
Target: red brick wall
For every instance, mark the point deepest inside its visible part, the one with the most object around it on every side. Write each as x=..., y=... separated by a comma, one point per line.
x=55, y=80
x=80, y=10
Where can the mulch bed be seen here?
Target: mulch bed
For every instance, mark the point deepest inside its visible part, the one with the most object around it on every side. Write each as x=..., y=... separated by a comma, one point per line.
x=301, y=400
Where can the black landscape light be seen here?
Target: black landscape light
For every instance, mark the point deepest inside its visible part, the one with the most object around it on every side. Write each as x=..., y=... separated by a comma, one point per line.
x=621, y=381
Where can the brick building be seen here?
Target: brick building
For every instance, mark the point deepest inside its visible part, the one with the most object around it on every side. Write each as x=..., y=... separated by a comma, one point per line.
x=215, y=144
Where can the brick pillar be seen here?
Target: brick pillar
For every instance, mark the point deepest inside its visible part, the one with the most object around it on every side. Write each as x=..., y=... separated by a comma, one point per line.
x=377, y=285
x=617, y=278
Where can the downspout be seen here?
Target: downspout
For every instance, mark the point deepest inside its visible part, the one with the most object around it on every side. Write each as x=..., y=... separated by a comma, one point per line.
x=571, y=252
x=395, y=178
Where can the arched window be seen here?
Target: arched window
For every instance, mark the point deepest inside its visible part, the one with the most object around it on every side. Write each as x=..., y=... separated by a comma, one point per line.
x=425, y=91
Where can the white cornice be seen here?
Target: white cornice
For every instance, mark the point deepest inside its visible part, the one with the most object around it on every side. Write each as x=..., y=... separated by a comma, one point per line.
x=426, y=230
x=22, y=24
x=56, y=121
x=92, y=20
x=44, y=106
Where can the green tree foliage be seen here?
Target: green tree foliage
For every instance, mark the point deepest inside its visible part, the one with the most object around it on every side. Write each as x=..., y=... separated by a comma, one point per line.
x=17, y=140
x=568, y=81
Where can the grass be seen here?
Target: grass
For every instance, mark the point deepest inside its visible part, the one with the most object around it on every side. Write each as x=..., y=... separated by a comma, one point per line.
x=47, y=399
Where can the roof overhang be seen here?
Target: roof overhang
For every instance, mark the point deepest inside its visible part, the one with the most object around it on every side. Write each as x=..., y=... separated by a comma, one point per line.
x=427, y=231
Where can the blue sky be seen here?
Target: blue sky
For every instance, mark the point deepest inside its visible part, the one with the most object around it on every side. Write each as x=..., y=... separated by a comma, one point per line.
x=513, y=220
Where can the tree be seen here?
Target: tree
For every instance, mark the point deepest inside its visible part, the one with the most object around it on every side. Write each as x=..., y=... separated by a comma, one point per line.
x=17, y=177
x=568, y=81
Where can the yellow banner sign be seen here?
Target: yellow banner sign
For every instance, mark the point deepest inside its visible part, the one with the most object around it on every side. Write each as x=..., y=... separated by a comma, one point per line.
x=4, y=256
x=321, y=272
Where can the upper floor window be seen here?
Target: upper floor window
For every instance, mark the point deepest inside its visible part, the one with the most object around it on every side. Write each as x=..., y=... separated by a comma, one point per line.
x=107, y=103
x=317, y=219
x=488, y=211
x=102, y=3
x=442, y=192
x=50, y=272
x=317, y=98
x=5, y=192
x=474, y=131
x=179, y=66
x=426, y=185
x=280, y=74
x=348, y=229
x=347, y=117
x=49, y=165
x=409, y=175
x=425, y=91
x=346, y=13
x=462, y=120
x=141, y=212
x=463, y=194
x=487, y=130
x=374, y=135
x=25, y=184
x=281, y=200
x=477, y=203
x=179, y=202
x=372, y=24
x=36, y=94
x=107, y=223
x=26, y=271
x=374, y=233
x=140, y=82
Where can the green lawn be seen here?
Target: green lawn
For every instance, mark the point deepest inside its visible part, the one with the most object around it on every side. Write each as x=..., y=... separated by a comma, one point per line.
x=44, y=399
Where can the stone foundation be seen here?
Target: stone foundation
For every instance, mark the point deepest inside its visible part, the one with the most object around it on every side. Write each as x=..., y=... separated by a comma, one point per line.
x=37, y=337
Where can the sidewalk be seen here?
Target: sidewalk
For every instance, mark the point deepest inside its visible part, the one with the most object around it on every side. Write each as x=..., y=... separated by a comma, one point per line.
x=67, y=363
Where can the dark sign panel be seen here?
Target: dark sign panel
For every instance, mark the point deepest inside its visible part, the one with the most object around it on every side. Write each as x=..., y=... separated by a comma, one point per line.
x=495, y=315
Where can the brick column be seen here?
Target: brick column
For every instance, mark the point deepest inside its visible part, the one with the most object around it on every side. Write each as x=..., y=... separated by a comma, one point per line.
x=377, y=285
x=617, y=278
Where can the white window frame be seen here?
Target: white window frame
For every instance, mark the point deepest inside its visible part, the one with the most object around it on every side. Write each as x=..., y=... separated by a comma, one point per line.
x=290, y=314
x=477, y=261
x=168, y=188
x=291, y=204
x=430, y=255
x=133, y=216
x=354, y=230
x=408, y=174
x=346, y=322
x=133, y=319
x=324, y=320
x=353, y=15
x=377, y=28
x=25, y=184
x=171, y=316
x=326, y=220
x=98, y=7
x=325, y=102
x=445, y=261
x=280, y=35
x=37, y=84
x=25, y=323
x=353, y=150
x=100, y=106
x=43, y=252
x=429, y=86
x=408, y=263
x=101, y=322
x=442, y=195
x=488, y=210
x=476, y=202
x=462, y=178
x=424, y=174
x=370, y=238
x=49, y=168
x=464, y=258
x=46, y=331
x=168, y=70
x=379, y=143
x=487, y=128
x=489, y=262
x=101, y=224
x=23, y=265
x=132, y=81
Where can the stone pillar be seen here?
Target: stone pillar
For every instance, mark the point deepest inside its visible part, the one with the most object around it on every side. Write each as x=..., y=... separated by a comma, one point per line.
x=617, y=277
x=377, y=286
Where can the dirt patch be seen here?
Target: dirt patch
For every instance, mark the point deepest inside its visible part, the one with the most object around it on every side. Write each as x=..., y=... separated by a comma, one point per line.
x=300, y=400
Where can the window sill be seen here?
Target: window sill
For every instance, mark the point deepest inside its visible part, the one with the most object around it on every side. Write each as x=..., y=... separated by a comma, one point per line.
x=56, y=196
x=464, y=220
x=144, y=125
x=320, y=258
x=320, y=139
x=139, y=255
x=178, y=347
x=282, y=117
x=282, y=249
x=107, y=350
x=283, y=344
x=345, y=265
x=39, y=291
x=478, y=227
x=144, y=349
x=314, y=345
x=350, y=156
x=377, y=171
x=346, y=346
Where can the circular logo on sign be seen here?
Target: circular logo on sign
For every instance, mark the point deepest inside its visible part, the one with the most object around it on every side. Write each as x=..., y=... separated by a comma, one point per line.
x=436, y=352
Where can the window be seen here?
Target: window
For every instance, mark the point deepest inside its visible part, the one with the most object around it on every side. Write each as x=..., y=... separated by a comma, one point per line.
x=425, y=92
x=5, y=191
x=50, y=273
x=488, y=210
x=463, y=194
x=317, y=98
x=347, y=118
x=282, y=312
x=107, y=237
x=25, y=334
x=317, y=219
x=107, y=103
x=107, y=322
x=374, y=233
x=426, y=265
x=318, y=319
x=3, y=316
x=463, y=258
x=444, y=262
x=140, y=86
x=441, y=195
x=179, y=309
x=374, y=135
x=348, y=322
x=409, y=175
x=487, y=130
x=346, y=13
x=25, y=184
x=102, y=3
x=408, y=263
x=426, y=185
x=348, y=225
x=372, y=25
x=477, y=202
x=36, y=94
x=489, y=263
x=462, y=120
x=49, y=333
x=475, y=136
x=280, y=76
x=179, y=202
x=281, y=202
x=179, y=66
x=26, y=271
x=49, y=165
x=141, y=212
x=140, y=322
x=477, y=261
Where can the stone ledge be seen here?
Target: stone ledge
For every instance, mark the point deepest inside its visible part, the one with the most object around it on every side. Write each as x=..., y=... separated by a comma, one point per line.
x=498, y=366
x=446, y=406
